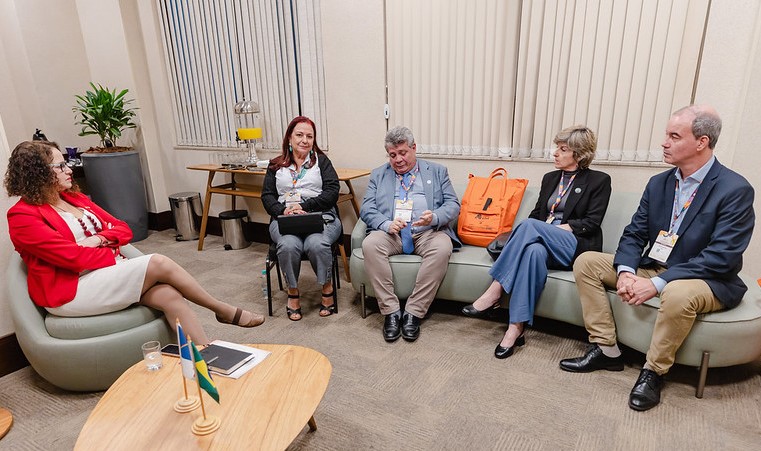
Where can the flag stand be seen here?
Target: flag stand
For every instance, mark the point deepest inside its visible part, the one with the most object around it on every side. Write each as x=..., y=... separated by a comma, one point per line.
x=185, y=405
x=206, y=425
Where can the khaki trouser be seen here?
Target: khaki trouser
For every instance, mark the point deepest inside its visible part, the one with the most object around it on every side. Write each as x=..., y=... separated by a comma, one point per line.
x=681, y=302
x=435, y=247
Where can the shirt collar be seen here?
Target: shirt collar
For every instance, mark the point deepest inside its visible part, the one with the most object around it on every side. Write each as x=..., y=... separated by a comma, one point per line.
x=698, y=175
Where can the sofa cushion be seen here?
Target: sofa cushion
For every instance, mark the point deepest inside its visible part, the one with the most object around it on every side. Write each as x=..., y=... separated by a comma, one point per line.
x=96, y=326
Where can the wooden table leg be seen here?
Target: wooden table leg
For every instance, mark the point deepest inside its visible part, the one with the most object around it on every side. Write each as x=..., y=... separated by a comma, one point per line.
x=205, y=215
x=312, y=424
x=346, y=262
x=354, y=202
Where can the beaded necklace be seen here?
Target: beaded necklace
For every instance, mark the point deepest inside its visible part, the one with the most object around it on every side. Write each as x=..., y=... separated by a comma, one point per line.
x=94, y=225
x=82, y=224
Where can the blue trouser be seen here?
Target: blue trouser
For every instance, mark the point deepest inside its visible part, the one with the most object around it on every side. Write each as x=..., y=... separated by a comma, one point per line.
x=522, y=267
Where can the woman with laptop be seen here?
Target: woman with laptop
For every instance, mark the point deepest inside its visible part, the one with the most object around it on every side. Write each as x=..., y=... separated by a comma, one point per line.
x=301, y=181
x=71, y=249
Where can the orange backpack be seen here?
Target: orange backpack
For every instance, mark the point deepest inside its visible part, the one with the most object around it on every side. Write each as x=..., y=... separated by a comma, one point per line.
x=489, y=207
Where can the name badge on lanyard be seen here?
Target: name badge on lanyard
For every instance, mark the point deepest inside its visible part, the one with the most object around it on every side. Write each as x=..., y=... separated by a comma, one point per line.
x=663, y=246
x=403, y=209
x=666, y=240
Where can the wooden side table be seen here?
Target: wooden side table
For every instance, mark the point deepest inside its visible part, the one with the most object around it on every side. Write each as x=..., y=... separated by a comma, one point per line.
x=6, y=421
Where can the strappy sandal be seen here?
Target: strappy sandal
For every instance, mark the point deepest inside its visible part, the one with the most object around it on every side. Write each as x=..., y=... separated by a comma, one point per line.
x=327, y=310
x=256, y=319
x=292, y=312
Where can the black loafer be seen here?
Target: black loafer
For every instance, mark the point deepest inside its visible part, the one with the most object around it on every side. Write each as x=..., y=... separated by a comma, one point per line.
x=410, y=327
x=391, y=328
x=646, y=393
x=503, y=353
x=593, y=360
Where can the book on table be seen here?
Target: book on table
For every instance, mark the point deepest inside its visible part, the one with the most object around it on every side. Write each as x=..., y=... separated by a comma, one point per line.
x=224, y=360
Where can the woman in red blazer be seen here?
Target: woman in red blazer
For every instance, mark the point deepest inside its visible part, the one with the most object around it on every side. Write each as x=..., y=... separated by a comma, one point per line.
x=71, y=250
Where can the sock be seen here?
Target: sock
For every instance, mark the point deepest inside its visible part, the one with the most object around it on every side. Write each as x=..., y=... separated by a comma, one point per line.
x=397, y=313
x=610, y=351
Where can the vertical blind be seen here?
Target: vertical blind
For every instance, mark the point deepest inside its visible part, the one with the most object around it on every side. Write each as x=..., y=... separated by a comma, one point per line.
x=218, y=53
x=500, y=78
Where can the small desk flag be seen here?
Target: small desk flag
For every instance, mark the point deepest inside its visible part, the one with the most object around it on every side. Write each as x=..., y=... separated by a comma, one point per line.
x=185, y=359
x=204, y=378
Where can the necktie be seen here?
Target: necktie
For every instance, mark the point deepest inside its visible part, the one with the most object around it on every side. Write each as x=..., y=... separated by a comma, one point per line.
x=408, y=246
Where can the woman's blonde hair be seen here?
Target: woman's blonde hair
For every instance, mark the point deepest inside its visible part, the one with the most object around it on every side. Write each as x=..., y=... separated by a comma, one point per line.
x=582, y=142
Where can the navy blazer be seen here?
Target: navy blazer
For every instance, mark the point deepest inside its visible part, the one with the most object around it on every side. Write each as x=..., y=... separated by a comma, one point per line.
x=585, y=206
x=715, y=231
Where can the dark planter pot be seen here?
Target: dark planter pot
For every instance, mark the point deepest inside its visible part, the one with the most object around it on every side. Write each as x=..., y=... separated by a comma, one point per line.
x=115, y=183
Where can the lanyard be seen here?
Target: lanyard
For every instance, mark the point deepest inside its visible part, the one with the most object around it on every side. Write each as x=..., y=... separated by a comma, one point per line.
x=686, y=205
x=404, y=189
x=296, y=177
x=561, y=192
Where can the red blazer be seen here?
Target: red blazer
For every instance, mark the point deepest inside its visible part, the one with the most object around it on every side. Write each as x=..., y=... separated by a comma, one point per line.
x=53, y=259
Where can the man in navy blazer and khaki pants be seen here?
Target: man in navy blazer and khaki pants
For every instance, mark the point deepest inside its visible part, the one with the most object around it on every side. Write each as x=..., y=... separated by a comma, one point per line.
x=684, y=244
x=416, y=198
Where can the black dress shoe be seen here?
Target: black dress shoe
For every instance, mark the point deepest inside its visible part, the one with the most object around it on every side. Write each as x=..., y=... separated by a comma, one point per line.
x=391, y=328
x=471, y=311
x=503, y=353
x=646, y=393
x=593, y=360
x=410, y=327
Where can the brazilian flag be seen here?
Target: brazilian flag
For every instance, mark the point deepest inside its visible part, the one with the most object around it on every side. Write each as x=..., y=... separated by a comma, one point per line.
x=204, y=378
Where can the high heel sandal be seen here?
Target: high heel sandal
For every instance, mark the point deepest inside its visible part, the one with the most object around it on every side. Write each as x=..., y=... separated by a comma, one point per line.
x=256, y=319
x=471, y=311
x=327, y=310
x=292, y=312
x=501, y=352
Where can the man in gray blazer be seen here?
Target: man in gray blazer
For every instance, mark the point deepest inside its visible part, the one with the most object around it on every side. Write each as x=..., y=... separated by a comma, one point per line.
x=409, y=207
x=684, y=244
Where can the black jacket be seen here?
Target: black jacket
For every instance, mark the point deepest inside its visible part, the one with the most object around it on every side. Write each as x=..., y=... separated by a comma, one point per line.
x=585, y=206
x=326, y=201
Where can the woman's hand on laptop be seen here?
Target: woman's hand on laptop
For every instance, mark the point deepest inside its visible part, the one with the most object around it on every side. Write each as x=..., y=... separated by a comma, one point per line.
x=294, y=209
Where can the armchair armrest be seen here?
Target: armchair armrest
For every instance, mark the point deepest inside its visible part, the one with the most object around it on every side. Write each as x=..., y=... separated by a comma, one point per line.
x=358, y=234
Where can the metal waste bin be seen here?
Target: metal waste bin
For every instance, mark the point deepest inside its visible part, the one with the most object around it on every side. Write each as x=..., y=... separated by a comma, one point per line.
x=232, y=229
x=186, y=210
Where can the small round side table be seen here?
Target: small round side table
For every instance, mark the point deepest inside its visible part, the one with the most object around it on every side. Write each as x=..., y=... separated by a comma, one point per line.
x=6, y=421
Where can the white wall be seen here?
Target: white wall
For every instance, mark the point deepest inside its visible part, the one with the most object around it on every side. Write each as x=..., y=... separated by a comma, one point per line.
x=50, y=51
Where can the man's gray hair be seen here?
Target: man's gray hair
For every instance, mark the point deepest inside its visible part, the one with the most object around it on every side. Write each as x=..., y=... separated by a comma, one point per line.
x=399, y=135
x=706, y=123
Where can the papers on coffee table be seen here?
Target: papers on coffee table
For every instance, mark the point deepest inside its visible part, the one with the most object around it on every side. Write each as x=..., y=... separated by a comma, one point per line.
x=259, y=356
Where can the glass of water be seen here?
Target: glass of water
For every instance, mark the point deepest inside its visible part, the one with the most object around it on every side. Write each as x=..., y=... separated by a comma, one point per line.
x=152, y=355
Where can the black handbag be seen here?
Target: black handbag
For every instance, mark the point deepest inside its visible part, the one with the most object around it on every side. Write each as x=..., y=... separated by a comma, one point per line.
x=494, y=248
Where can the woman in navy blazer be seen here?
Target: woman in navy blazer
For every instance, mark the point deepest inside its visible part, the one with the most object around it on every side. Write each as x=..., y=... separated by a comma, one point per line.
x=564, y=223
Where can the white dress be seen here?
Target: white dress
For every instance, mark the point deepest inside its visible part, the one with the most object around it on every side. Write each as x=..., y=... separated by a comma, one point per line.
x=103, y=290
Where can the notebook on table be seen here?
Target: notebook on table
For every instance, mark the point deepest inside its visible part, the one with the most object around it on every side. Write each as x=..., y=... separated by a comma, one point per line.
x=224, y=360
x=303, y=224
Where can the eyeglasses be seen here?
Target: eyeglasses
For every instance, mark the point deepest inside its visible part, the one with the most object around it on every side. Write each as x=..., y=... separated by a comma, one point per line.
x=60, y=166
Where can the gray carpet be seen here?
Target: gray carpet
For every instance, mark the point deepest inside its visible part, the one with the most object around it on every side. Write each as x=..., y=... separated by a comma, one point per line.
x=445, y=391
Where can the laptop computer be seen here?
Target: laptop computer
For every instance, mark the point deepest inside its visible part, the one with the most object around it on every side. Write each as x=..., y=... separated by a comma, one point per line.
x=303, y=224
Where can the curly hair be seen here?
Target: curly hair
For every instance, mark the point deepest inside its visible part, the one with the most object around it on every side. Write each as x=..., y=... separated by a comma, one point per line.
x=29, y=176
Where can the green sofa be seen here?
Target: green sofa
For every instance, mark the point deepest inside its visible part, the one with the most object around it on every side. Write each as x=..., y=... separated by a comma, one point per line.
x=717, y=339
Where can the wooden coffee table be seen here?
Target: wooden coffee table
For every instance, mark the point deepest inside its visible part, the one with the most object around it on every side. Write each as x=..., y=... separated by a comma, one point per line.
x=265, y=409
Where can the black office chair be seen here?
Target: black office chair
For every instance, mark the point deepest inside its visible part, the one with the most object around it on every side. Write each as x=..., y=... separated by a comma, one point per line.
x=273, y=261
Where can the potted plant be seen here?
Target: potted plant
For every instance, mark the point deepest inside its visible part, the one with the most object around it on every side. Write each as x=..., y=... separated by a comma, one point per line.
x=114, y=175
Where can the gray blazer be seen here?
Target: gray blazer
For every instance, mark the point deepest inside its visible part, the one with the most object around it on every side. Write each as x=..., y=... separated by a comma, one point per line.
x=378, y=204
